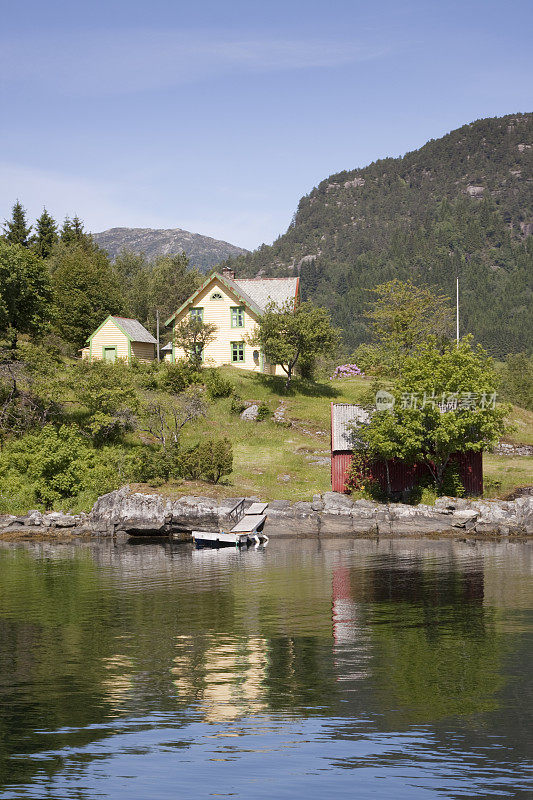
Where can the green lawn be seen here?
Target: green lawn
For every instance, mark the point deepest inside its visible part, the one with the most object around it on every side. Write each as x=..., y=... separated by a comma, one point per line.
x=271, y=460
x=275, y=461
x=503, y=474
x=522, y=420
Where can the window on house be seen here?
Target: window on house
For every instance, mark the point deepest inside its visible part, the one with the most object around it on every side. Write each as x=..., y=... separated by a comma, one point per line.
x=237, y=352
x=197, y=313
x=237, y=317
x=216, y=296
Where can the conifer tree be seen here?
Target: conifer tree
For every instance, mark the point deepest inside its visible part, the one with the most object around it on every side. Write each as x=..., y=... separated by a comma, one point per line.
x=77, y=228
x=67, y=232
x=46, y=235
x=16, y=229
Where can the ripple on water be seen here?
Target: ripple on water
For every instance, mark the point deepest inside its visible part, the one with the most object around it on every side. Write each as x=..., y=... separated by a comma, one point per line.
x=354, y=668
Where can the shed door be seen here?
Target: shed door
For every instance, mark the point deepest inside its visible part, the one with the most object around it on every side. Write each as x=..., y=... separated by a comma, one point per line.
x=110, y=353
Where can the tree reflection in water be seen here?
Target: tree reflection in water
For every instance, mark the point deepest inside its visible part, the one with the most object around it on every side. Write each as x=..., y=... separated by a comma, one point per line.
x=97, y=636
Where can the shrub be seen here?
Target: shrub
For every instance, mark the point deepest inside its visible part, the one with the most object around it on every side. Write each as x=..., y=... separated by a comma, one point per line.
x=154, y=465
x=177, y=377
x=217, y=385
x=237, y=404
x=210, y=460
x=452, y=485
x=307, y=367
x=53, y=466
x=108, y=399
x=369, y=358
x=263, y=412
x=347, y=371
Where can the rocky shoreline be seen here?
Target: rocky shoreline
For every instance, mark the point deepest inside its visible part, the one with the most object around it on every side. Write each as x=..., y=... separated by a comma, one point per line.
x=125, y=513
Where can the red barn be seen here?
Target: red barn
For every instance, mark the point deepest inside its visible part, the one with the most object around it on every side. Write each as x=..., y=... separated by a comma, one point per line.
x=402, y=476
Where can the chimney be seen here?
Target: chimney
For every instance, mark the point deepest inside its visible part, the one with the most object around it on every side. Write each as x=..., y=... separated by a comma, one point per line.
x=227, y=272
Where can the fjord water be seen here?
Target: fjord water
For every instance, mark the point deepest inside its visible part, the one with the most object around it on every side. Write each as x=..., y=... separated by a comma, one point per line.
x=390, y=669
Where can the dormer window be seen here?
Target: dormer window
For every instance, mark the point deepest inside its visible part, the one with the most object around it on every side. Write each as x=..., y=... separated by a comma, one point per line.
x=216, y=296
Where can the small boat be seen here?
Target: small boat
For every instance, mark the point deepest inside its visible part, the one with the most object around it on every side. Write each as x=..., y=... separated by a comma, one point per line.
x=247, y=530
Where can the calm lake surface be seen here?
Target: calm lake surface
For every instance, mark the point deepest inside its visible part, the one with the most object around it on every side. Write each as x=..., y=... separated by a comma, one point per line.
x=347, y=669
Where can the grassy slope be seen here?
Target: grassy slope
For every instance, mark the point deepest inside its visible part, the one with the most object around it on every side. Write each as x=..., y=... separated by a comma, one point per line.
x=274, y=461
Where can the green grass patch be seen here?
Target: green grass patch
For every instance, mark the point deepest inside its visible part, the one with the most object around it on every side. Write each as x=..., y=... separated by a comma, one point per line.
x=503, y=474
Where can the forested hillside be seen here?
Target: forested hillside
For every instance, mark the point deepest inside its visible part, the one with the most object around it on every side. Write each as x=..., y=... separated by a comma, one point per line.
x=461, y=204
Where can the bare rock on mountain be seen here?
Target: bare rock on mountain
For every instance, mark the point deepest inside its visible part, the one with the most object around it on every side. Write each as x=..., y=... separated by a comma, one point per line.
x=203, y=251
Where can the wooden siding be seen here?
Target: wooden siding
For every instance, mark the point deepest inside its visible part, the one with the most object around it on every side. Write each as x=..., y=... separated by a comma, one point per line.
x=109, y=336
x=404, y=476
x=143, y=351
x=219, y=313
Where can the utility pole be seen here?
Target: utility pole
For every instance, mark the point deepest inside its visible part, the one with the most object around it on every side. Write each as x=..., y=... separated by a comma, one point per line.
x=457, y=310
x=157, y=328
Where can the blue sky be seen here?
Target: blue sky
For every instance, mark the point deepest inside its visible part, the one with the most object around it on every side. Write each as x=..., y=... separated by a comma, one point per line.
x=217, y=117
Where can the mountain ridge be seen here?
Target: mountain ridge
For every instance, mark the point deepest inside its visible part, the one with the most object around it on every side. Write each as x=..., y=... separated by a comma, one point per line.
x=203, y=251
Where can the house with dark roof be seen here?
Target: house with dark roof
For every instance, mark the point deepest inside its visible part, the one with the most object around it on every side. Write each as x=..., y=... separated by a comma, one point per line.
x=120, y=338
x=235, y=306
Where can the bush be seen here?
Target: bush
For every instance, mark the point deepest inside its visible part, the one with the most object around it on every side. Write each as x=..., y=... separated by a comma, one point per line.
x=369, y=358
x=107, y=397
x=175, y=378
x=54, y=466
x=263, y=412
x=307, y=367
x=452, y=485
x=237, y=404
x=217, y=385
x=361, y=480
x=347, y=371
x=210, y=460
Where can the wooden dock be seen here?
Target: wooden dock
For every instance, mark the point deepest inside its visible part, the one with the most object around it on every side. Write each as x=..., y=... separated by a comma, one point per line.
x=247, y=528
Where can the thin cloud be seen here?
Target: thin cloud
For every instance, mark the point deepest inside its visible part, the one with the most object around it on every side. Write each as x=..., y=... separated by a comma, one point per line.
x=135, y=61
x=103, y=205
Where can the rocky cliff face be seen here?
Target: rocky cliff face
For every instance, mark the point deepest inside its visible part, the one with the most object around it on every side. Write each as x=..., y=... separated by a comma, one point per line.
x=203, y=251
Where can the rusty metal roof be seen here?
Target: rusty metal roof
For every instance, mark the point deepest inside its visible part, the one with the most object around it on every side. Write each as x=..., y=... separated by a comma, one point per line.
x=343, y=415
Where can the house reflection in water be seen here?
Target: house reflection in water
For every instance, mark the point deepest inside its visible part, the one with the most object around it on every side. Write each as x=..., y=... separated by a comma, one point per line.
x=226, y=682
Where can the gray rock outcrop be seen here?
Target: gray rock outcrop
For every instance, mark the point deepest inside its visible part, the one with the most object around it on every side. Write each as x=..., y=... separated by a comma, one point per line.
x=327, y=515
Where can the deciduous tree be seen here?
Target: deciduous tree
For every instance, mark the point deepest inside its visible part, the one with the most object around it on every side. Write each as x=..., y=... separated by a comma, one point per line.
x=416, y=429
x=404, y=316
x=25, y=295
x=192, y=335
x=287, y=334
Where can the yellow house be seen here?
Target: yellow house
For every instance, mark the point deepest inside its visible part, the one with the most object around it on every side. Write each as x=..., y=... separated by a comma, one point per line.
x=120, y=338
x=234, y=306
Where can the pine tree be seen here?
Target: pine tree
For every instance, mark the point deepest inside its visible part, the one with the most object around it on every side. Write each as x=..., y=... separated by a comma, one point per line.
x=16, y=229
x=67, y=232
x=46, y=235
x=72, y=232
x=77, y=228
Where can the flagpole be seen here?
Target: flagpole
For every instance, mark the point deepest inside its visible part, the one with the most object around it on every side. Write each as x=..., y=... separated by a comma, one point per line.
x=457, y=310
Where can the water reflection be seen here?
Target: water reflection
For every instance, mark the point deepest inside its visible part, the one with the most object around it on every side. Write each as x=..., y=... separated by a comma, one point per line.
x=395, y=656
